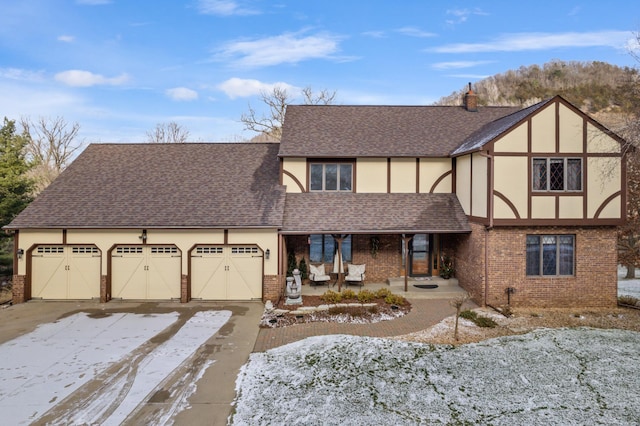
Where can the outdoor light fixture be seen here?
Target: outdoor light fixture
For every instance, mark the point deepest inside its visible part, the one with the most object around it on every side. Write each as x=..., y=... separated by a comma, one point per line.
x=267, y=254
x=20, y=253
x=143, y=237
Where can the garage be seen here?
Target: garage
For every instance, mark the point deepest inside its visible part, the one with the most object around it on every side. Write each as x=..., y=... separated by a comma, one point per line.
x=61, y=272
x=145, y=272
x=226, y=272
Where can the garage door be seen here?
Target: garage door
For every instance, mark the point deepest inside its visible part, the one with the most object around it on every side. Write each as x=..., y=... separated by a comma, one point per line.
x=65, y=272
x=145, y=272
x=226, y=272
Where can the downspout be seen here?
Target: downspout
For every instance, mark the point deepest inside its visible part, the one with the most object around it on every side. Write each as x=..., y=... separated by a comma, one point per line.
x=488, y=228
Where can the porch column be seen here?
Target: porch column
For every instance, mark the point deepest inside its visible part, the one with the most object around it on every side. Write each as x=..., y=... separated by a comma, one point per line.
x=338, y=239
x=406, y=239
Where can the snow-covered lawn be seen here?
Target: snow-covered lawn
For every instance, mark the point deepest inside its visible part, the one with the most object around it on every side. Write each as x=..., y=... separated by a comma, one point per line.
x=577, y=376
x=55, y=361
x=629, y=287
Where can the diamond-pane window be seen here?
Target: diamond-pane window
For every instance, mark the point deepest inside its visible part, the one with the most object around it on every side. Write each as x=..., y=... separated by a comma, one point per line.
x=556, y=174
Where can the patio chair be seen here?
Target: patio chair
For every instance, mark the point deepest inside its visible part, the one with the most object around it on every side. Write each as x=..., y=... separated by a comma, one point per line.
x=355, y=274
x=317, y=275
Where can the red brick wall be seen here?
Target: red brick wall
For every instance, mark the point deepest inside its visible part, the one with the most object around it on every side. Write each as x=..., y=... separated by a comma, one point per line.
x=386, y=263
x=18, y=288
x=104, y=296
x=273, y=288
x=469, y=261
x=185, y=289
x=594, y=284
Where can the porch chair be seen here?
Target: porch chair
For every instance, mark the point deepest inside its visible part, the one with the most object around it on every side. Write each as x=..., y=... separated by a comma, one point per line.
x=355, y=274
x=317, y=275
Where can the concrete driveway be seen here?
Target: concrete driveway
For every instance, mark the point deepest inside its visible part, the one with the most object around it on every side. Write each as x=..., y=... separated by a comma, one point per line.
x=123, y=362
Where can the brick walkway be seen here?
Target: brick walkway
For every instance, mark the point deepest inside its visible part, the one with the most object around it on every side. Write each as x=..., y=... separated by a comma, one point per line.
x=424, y=313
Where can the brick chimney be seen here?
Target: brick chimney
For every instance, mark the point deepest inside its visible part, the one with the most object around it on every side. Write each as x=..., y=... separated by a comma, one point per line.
x=471, y=100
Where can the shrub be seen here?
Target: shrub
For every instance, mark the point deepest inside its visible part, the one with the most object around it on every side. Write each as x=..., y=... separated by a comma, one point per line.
x=348, y=294
x=394, y=299
x=331, y=297
x=478, y=320
x=383, y=293
x=366, y=296
x=628, y=300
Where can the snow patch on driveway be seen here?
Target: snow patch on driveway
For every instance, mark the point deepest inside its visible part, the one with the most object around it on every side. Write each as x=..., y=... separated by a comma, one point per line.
x=46, y=366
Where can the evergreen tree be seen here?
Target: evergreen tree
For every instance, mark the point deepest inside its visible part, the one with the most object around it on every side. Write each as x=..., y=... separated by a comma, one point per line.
x=15, y=186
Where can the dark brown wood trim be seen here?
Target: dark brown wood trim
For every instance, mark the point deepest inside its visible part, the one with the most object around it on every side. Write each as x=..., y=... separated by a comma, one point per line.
x=16, y=247
x=508, y=202
x=453, y=175
x=295, y=179
x=437, y=182
x=623, y=183
x=585, y=158
x=389, y=175
x=529, y=169
x=64, y=236
x=471, y=183
x=417, y=175
x=490, y=185
x=477, y=219
x=281, y=166
x=558, y=222
x=557, y=125
x=226, y=237
x=605, y=202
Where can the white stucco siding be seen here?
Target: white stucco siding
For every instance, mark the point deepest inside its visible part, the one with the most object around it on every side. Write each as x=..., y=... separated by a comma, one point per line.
x=432, y=169
x=571, y=131
x=463, y=182
x=543, y=130
x=511, y=180
x=371, y=175
x=296, y=167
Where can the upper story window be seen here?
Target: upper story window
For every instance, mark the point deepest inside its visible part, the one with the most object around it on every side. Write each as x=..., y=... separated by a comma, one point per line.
x=557, y=174
x=331, y=177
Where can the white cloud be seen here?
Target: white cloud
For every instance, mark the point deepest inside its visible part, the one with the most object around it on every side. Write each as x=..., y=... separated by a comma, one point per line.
x=462, y=15
x=66, y=38
x=458, y=64
x=81, y=78
x=224, y=8
x=517, y=42
x=243, y=88
x=415, y=32
x=20, y=74
x=182, y=94
x=285, y=48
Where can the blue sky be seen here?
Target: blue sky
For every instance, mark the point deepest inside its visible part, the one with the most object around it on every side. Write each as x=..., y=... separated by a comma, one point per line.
x=118, y=67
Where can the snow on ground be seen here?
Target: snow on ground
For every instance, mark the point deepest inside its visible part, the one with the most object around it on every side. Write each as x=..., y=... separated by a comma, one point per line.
x=577, y=376
x=628, y=287
x=42, y=368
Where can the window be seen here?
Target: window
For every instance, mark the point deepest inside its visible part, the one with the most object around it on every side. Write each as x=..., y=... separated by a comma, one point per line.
x=323, y=248
x=331, y=177
x=557, y=174
x=550, y=255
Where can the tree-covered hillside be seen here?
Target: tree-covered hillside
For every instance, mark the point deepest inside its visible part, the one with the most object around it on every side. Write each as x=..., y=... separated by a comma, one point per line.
x=592, y=86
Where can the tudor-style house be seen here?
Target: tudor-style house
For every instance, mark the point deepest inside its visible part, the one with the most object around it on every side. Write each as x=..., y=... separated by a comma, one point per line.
x=524, y=201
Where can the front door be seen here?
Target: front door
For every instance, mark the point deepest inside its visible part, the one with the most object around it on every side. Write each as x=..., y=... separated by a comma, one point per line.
x=420, y=254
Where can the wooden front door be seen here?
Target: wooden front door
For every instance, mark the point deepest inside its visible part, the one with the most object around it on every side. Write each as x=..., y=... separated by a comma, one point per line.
x=420, y=255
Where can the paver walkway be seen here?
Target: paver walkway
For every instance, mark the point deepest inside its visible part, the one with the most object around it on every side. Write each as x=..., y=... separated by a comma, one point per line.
x=424, y=313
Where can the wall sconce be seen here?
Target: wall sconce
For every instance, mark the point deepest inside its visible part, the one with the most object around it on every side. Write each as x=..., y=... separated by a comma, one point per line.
x=143, y=237
x=267, y=254
x=20, y=253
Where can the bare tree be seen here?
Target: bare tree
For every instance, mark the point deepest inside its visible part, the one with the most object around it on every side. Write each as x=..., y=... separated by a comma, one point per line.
x=170, y=132
x=270, y=125
x=51, y=144
x=457, y=303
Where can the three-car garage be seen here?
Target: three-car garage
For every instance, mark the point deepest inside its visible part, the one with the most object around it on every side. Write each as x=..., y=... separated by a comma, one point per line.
x=147, y=271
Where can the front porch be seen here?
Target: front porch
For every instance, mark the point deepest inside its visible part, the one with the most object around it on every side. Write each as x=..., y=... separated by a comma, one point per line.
x=446, y=289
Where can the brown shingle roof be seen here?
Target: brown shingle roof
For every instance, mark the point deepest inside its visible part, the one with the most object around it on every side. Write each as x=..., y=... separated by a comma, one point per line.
x=380, y=131
x=349, y=213
x=163, y=185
